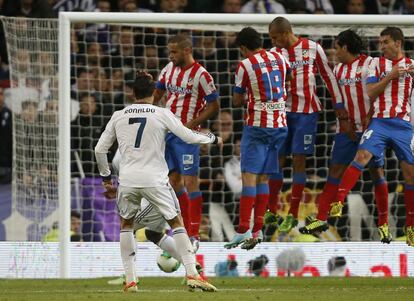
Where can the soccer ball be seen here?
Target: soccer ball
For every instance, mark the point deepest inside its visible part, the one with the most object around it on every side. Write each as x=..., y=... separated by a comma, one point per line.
x=166, y=263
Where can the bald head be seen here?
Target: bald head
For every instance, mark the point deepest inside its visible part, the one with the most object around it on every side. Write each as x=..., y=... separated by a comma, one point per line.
x=280, y=25
x=182, y=41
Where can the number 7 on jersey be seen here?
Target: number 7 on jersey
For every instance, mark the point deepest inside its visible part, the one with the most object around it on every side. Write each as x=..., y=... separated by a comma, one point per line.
x=142, y=122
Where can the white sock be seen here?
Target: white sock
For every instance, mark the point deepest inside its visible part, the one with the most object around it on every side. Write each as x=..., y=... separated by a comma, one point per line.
x=167, y=243
x=185, y=251
x=127, y=243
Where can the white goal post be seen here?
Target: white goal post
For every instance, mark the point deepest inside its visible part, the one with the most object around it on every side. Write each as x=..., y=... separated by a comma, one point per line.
x=324, y=22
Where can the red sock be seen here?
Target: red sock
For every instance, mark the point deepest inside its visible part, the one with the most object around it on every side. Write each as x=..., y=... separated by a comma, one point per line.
x=260, y=205
x=295, y=198
x=184, y=202
x=326, y=198
x=298, y=185
x=381, y=199
x=196, y=210
x=409, y=204
x=274, y=188
x=348, y=181
x=247, y=199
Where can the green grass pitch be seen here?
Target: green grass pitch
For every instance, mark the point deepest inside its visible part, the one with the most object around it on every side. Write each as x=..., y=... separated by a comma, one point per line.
x=170, y=289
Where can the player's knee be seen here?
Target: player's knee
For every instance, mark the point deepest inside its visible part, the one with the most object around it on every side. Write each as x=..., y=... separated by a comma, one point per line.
x=127, y=223
x=153, y=236
x=176, y=181
x=262, y=179
x=191, y=183
x=362, y=157
x=408, y=172
x=376, y=174
x=299, y=163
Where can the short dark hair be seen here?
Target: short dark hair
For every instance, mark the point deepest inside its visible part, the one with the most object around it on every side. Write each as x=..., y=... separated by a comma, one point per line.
x=182, y=40
x=351, y=40
x=144, y=85
x=394, y=32
x=249, y=38
x=74, y=213
x=282, y=24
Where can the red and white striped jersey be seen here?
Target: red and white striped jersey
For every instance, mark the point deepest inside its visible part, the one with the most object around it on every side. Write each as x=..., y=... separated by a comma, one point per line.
x=351, y=79
x=305, y=58
x=188, y=90
x=395, y=101
x=262, y=78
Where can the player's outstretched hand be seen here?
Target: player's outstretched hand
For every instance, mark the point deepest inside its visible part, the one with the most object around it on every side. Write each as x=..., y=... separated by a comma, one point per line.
x=110, y=192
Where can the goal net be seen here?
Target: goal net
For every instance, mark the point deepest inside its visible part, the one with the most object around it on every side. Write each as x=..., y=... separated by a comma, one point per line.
x=103, y=61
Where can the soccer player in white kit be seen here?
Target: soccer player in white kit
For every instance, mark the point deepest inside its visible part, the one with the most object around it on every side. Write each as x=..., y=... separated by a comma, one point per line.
x=140, y=130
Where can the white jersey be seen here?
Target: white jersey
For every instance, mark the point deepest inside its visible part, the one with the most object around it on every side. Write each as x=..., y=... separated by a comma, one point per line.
x=140, y=130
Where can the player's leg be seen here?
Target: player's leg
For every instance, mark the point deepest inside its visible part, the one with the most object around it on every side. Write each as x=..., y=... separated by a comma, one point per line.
x=164, y=199
x=260, y=205
x=372, y=143
x=127, y=244
x=128, y=204
x=381, y=199
x=275, y=186
x=177, y=183
x=402, y=142
x=173, y=157
x=303, y=140
x=196, y=204
x=325, y=199
x=408, y=172
x=343, y=152
x=188, y=161
x=247, y=200
x=276, y=179
x=253, y=156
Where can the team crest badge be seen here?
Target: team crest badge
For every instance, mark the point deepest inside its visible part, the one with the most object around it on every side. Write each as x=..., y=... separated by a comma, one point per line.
x=305, y=54
x=190, y=81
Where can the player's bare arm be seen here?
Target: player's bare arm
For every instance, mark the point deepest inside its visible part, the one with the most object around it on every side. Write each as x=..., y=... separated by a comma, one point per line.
x=210, y=111
x=375, y=89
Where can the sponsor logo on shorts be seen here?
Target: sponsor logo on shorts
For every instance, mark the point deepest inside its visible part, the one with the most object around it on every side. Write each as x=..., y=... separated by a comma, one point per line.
x=188, y=159
x=307, y=139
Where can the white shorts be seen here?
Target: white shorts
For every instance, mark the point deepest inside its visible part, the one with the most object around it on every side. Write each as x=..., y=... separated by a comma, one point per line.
x=149, y=217
x=162, y=198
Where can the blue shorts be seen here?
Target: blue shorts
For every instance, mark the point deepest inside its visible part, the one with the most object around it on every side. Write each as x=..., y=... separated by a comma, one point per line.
x=259, y=149
x=182, y=157
x=389, y=132
x=344, y=151
x=302, y=133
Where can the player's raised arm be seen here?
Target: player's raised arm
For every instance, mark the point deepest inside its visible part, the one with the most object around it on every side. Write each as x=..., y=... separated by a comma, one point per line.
x=160, y=87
